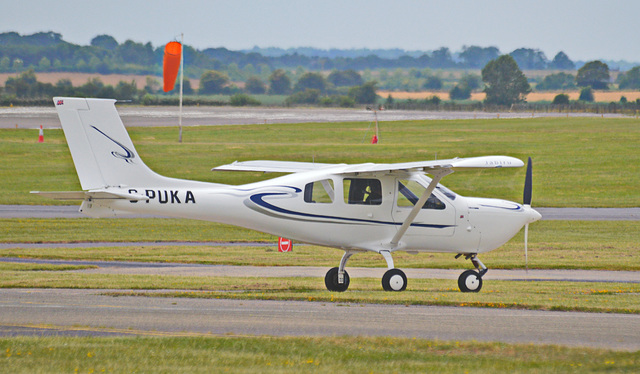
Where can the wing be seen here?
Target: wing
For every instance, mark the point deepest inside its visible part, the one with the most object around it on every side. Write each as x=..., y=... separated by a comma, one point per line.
x=419, y=166
x=272, y=166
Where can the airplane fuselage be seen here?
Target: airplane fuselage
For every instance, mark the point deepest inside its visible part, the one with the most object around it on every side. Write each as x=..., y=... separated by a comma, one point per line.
x=279, y=206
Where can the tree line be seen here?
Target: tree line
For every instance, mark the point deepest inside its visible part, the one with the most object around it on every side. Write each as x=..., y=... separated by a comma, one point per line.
x=47, y=51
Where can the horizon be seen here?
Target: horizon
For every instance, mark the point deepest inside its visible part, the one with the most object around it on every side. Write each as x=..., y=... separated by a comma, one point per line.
x=294, y=49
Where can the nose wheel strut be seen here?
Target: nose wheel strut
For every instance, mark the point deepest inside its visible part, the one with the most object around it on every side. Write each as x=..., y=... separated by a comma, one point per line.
x=471, y=280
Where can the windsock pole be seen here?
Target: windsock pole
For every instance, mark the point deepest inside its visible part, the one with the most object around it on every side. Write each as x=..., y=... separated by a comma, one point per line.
x=41, y=135
x=181, y=80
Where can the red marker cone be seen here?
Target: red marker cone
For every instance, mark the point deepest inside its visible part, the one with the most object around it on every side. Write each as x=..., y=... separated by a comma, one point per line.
x=374, y=140
x=41, y=136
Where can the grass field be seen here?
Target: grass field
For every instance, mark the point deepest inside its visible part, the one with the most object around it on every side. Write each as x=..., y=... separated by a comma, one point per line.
x=578, y=162
x=299, y=355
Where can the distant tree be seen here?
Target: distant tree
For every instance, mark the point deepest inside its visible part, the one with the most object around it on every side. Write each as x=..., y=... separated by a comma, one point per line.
x=594, y=74
x=64, y=87
x=389, y=101
x=365, y=94
x=505, y=84
x=308, y=96
x=561, y=62
x=5, y=63
x=18, y=64
x=630, y=79
x=187, y=89
x=559, y=81
x=560, y=99
x=126, y=91
x=346, y=78
x=255, y=85
x=529, y=59
x=314, y=81
x=24, y=85
x=586, y=94
x=460, y=92
x=135, y=53
x=472, y=81
x=104, y=41
x=91, y=88
x=477, y=57
x=243, y=100
x=441, y=58
x=279, y=83
x=213, y=82
x=153, y=85
x=432, y=83
x=44, y=64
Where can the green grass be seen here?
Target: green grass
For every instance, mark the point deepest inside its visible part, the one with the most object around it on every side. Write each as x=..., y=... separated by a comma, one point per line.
x=578, y=162
x=602, y=245
x=10, y=266
x=299, y=355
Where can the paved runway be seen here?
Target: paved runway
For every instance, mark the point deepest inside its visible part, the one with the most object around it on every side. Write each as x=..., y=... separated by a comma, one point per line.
x=33, y=117
x=81, y=312
x=573, y=214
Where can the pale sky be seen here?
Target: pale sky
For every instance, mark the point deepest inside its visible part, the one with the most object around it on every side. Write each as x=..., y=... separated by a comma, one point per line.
x=584, y=29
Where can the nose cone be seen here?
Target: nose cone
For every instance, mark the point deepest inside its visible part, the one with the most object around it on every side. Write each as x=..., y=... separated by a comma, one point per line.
x=532, y=214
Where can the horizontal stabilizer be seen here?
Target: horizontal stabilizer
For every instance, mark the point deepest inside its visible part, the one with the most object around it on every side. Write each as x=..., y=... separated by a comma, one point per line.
x=93, y=194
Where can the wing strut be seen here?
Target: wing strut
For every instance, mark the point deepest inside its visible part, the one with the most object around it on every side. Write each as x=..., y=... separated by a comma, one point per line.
x=438, y=174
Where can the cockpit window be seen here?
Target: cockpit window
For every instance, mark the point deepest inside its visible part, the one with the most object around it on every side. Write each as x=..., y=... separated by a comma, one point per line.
x=446, y=192
x=362, y=191
x=409, y=193
x=321, y=192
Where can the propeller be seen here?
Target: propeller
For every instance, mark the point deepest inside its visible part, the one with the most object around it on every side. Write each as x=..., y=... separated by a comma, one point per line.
x=526, y=201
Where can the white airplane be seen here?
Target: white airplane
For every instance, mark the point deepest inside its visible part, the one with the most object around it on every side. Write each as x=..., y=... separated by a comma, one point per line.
x=381, y=208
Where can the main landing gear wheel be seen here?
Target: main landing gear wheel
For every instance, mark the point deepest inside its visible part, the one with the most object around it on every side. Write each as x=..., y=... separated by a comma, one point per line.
x=331, y=281
x=394, y=280
x=470, y=281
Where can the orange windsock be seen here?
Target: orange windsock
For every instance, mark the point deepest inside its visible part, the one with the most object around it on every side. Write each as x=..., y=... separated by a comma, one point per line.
x=171, y=64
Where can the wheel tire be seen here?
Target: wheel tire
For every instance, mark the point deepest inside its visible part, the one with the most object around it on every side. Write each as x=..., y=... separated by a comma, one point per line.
x=394, y=280
x=470, y=281
x=331, y=281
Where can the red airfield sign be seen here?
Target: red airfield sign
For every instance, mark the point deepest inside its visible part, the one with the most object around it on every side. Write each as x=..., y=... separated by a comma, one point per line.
x=285, y=245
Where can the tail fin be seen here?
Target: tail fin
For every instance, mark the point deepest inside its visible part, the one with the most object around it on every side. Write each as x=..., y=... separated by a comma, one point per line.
x=100, y=146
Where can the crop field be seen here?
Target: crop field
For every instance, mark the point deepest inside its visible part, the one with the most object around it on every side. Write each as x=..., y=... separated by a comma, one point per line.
x=599, y=96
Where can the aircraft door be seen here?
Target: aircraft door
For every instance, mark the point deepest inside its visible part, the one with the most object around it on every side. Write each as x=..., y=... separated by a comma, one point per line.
x=437, y=216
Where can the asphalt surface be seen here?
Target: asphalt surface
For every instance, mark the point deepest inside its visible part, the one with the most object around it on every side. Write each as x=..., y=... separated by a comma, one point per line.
x=33, y=117
x=572, y=214
x=89, y=312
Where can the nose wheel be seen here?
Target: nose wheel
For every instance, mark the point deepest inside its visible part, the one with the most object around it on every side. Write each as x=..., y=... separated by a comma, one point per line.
x=470, y=281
